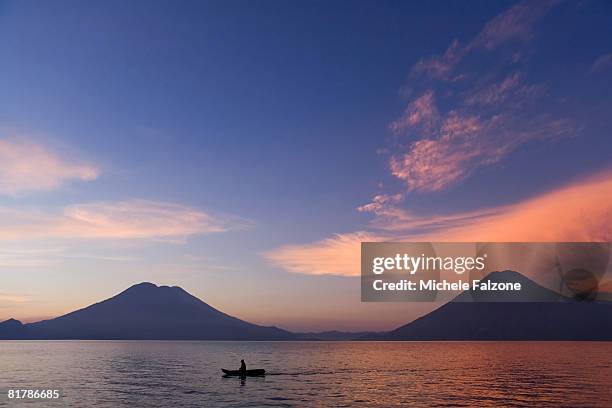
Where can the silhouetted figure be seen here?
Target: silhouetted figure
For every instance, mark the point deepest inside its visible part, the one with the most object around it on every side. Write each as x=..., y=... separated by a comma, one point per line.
x=242, y=366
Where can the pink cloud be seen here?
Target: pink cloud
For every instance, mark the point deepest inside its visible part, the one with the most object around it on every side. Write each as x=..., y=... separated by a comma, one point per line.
x=580, y=212
x=465, y=143
x=495, y=93
x=431, y=165
x=484, y=114
x=602, y=63
x=515, y=24
x=380, y=202
x=440, y=66
x=132, y=219
x=468, y=137
x=421, y=113
x=26, y=167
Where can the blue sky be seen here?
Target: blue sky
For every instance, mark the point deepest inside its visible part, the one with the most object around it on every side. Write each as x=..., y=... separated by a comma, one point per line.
x=250, y=133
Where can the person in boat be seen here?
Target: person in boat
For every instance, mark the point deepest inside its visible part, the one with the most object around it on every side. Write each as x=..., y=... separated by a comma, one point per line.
x=242, y=366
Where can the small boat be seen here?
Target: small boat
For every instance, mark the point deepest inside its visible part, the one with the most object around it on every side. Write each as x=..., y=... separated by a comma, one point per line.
x=247, y=373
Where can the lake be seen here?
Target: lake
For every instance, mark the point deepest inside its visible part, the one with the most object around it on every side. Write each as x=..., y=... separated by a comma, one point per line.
x=164, y=373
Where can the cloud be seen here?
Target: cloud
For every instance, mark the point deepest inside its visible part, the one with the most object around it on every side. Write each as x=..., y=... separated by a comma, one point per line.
x=27, y=167
x=496, y=93
x=580, y=212
x=577, y=212
x=421, y=113
x=9, y=298
x=380, y=202
x=393, y=219
x=132, y=219
x=475, y=107
x=465, y=143
x=440, y=66
x=338, y=255
x=514, y=25
x=602, y=63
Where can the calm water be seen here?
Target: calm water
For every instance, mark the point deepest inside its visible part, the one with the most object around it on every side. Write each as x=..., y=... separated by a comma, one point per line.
x=152, y=373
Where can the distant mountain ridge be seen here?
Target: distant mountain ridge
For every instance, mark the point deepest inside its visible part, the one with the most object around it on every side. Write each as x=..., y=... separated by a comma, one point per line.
x=333, y=335
x=149, y=312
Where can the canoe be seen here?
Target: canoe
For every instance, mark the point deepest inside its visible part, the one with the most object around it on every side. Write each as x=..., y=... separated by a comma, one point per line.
x=247, y=373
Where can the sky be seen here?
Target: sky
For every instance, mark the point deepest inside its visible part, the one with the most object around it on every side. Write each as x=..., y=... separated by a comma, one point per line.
x=243, y=149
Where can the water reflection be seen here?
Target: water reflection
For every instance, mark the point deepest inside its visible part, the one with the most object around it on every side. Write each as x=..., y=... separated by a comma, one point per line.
x=111, y=374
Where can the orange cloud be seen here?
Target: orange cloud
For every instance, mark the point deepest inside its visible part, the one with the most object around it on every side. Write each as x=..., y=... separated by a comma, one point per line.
x=338, y=255
x=578, y=212
x=9, y=298
x=132, y=219
x=581, y=212
x=26, y=167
